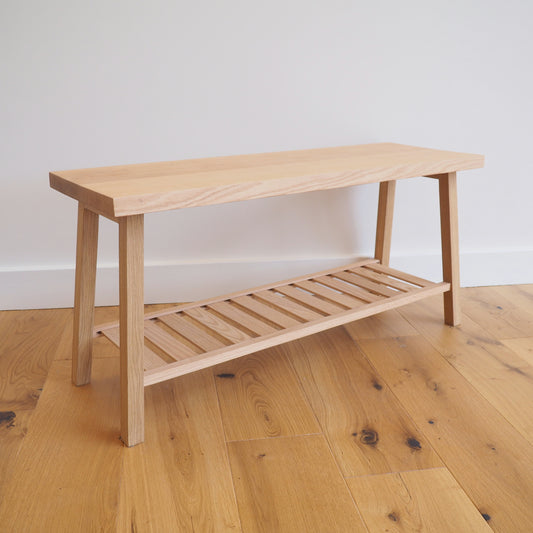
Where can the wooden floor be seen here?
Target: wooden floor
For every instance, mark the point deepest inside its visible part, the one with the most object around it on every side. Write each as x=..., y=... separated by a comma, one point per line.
x=394, y=423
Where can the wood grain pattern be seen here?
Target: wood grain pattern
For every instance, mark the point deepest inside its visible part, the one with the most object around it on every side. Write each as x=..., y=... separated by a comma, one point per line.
x=28, y=345
x=179, y=479
x=194, y=334
x=450, y=246
x=463, y=428
x=228, y=353
x=136, y=189
x=260, y=396
x=86, y=252
x=387, y=190
x=69, y=463
x=497, y=372
x=502, y=311
x=367, y=429
x=272, y=477
x=416, y=501
x=131, y=293
x=522, y=347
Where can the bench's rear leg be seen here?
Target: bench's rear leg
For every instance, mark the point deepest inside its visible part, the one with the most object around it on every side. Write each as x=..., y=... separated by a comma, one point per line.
x=86, y=251
x=450, y=246
x=384, y=224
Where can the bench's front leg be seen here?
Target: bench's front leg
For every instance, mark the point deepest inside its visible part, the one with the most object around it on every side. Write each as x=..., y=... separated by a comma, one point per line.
x=131, y=272
x=450, y=246
x=86, y=251
x=384, y=223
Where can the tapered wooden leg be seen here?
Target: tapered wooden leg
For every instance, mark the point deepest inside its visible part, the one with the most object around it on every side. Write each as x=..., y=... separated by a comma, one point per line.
x=384, y=225
x=131, y=267
x=450, y=246
x=86, y=251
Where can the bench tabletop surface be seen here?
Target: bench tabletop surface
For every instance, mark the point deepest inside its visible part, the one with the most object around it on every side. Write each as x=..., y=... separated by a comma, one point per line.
x=148, y=187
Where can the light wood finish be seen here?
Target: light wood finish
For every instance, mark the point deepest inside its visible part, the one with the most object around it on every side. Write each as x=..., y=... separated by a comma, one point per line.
x=497, y=372
x=125, y=193
x=64, y=468
x=250, y=325
x=27, y=349
x=288, y=305
x=504, y=311
x=272, y=478
x=316, y=287
x=450, y=246
x=134, y=189
x=366, y=427
x=150, y=359
x=261, y=397
x=489, y=458
x=131, y=272
x=522, y=347
x=212, y=321
x=180, y=479
x=194, y=334
x=384, y=221
x=67, y=473
x=416, y=501
x=86, y=252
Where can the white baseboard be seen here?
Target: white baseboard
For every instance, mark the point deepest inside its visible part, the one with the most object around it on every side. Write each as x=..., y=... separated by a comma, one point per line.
x=47, y=288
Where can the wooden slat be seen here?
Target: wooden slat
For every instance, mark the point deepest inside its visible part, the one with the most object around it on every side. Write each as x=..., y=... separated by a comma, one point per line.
x=191, y=332
x=337, y=297
x=240, y=317
x=347, y=288
x=383, y=279
x=212, y=321
x=281, y=319
x=277, y=337
x=400, y=275
x=166, y=342
x=151, y=359
x=310, y=300
x=288, y=305
x=352, y=277
x=416, y=501
x=176, y=309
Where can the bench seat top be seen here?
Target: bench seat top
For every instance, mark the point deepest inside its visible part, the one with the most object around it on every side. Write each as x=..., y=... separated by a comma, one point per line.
x=123, y=190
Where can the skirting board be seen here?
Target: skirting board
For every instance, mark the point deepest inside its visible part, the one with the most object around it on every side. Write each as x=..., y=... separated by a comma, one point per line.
x=47, y=288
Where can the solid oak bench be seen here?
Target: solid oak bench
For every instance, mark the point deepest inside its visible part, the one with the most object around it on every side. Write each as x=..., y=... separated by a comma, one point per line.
x=183, y=339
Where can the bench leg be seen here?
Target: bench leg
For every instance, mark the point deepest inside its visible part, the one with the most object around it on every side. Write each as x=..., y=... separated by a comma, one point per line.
x=384, y=224
x=450, y=246
x=131, y=271
x=86, y=251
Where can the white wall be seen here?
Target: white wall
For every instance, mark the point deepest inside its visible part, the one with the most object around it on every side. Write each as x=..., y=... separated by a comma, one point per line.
x=108, y=82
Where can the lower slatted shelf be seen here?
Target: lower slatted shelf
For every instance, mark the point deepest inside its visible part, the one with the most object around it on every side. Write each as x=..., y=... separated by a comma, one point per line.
x=189, y=337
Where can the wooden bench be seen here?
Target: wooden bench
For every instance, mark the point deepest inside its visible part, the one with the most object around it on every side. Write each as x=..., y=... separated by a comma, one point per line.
x=183, y=339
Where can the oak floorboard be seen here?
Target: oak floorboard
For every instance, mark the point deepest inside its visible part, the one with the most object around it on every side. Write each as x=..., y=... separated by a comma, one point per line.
x=28, y=344
x=521, y=347
x=484, y=452
x=504, y=378
x=499, y=310
x=277, y=484
x=260, y=396
x=179, y=479
x=421, y=500
x=368, y=430
x=67, y=472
